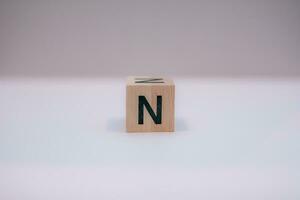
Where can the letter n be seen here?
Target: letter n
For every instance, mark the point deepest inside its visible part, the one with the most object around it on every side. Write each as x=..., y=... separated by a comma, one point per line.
x=156, y=117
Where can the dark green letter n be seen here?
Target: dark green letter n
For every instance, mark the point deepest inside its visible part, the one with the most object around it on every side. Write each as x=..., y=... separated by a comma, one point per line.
x=143, y=102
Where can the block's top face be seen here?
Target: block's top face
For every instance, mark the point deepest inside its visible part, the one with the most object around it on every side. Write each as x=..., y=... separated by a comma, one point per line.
x=148, y=81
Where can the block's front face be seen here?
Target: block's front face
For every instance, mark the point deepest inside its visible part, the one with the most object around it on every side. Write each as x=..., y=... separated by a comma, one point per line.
x=149, y=104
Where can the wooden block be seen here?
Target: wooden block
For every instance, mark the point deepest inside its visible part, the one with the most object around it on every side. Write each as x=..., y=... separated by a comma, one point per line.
x=150, y=104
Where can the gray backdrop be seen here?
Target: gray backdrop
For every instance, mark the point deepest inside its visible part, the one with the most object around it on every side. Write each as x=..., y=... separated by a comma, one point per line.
x=117, y=38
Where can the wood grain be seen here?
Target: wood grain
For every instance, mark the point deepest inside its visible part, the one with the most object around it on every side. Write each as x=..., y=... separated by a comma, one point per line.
x=150, y=91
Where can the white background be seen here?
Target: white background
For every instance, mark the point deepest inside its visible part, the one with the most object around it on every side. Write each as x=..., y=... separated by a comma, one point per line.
x=65, y=139
x=86, y=38
x=62, y=99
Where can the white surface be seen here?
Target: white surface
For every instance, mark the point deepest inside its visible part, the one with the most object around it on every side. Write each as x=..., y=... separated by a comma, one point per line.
x=65, y=139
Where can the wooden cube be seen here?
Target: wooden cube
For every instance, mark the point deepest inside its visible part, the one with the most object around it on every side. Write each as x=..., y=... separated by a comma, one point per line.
x=150, y=104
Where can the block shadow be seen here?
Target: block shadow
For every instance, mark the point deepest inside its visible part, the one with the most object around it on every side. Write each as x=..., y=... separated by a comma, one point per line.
x=118, y=125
